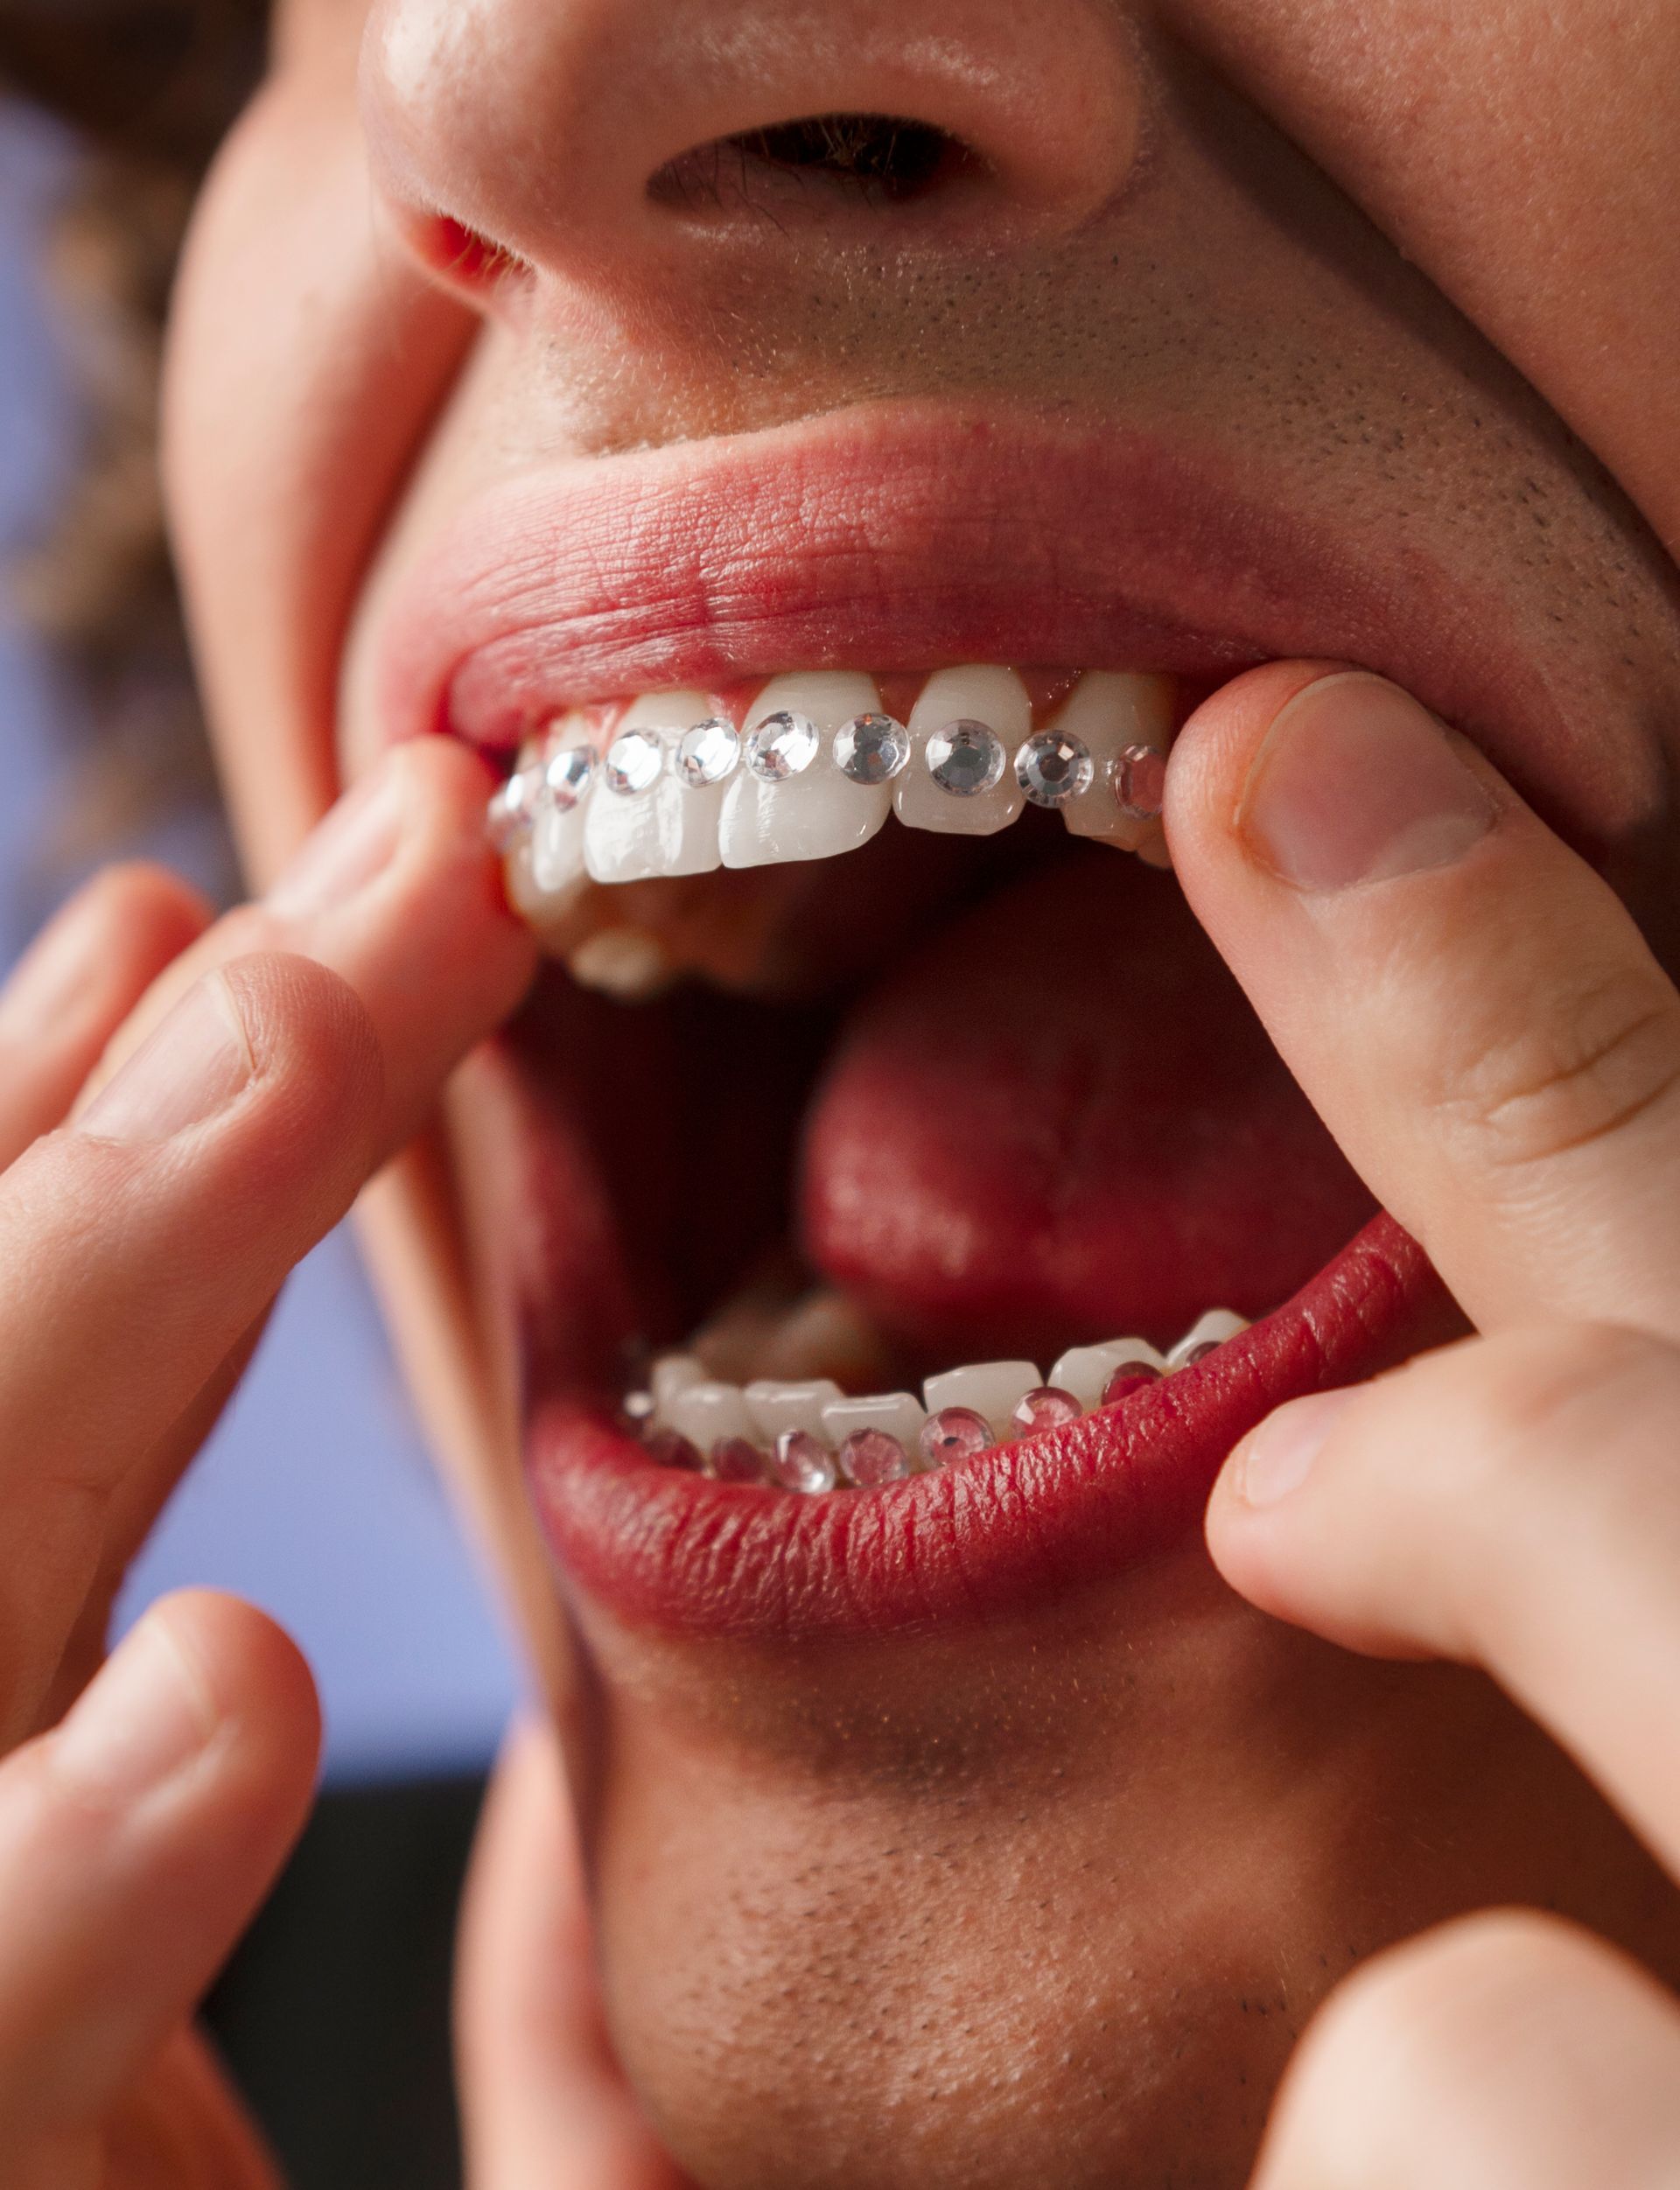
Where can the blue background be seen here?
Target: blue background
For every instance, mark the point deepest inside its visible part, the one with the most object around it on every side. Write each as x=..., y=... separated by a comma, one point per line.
x=315, y=1499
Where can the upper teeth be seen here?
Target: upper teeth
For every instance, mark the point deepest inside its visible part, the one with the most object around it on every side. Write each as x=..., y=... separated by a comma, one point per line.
x=814, y=768
x=720, y=1426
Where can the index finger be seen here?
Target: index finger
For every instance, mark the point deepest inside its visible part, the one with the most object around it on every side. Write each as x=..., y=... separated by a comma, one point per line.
x=1469, y=1007
x=138, y=1250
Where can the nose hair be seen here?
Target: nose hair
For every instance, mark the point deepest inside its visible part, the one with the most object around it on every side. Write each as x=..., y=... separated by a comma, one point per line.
x=572, y=133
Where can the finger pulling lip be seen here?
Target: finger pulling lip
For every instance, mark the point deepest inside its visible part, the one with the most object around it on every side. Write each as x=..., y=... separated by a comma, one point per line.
x=895, y=537
x=691, y=1557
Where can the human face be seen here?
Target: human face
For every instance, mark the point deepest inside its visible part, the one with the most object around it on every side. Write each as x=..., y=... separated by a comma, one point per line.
x=965, y=1830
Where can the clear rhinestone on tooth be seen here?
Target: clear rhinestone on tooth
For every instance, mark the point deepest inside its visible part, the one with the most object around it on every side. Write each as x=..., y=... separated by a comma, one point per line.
x=634, y=762
x=1053, y=768
x=708, y=754
x=954, y=1433
x=869, y=1457
x=965, y=758
x=512, y=809
x=1130, y=1377
x=669, y=1449
x=1138, y=778
x=1048, y=1408
x=566, y=774
x=734, y=1461
x=782, y=746
x=803, y=1463
x=870, y=749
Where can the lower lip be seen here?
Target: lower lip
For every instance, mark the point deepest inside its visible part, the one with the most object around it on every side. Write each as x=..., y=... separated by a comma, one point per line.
x=663, y=1550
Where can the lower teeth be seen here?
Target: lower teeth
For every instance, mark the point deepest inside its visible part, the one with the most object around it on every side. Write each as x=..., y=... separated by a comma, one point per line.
x=809, y=1437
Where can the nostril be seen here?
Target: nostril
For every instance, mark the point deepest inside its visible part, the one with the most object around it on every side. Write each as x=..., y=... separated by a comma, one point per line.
x=870, y=158
x=457, y=254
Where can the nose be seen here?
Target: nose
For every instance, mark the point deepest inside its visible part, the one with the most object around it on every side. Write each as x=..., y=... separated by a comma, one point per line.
x=591, y=135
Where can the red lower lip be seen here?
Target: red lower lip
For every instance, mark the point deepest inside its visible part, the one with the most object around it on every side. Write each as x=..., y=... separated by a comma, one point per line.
x=674, y=1552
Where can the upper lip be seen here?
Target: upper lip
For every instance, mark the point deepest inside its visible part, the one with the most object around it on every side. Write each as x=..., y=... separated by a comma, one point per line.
x=897, y=536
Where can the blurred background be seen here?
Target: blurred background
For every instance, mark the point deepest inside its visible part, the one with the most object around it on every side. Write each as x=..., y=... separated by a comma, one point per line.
x=315, y=1499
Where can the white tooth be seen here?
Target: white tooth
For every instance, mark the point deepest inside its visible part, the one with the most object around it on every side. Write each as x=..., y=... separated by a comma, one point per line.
x=996, y=697
x=897, y=1412
x=1111, y=712
x=816, y=814
x=992, y=1389
x=1153, y=851
x=702, y=1413
x=673, y=1373
x=557, y=848
x=1085, y=1370
x=625, y=963
x=667, y=830
x=557, y=831
x=775, y=1407
x=1217, y=1325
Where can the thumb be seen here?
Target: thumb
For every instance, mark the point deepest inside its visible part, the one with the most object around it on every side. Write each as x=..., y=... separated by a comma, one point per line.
x=544, y=2104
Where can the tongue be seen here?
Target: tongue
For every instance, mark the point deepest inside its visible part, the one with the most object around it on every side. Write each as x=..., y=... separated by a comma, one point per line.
x=1059, y=1122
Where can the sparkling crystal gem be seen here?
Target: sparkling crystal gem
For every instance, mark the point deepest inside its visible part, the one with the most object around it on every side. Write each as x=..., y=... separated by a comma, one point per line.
x=735, y=1460
x=868, y=1457
x=965, y=758
x=1139, y=778
x=708, y=754
x=870, y=749
x=1200, y=1352
x=1047, y=1408
x=1130, y=1377
x=802, y=1462
x=512, y=809
x=633, y=763
x=1053, y=768
x=954, y=1433
x=782, y=746
x=638, y=1407
x=671, y=1449
x=566, y=774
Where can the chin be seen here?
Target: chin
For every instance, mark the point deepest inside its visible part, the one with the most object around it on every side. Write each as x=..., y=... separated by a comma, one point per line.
x=894, y=1214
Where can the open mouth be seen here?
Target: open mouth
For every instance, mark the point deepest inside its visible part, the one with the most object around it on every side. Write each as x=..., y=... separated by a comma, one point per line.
x=900, y=1209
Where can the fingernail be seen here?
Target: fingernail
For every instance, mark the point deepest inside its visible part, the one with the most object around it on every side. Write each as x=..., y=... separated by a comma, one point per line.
x=186, y=1070
x=144, y=1718
x=1278, y=1456
x=344, y=853
x=1355, y=782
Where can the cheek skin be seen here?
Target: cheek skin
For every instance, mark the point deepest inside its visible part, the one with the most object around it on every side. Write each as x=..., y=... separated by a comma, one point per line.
x=1043, y=1907
x=288, y=430
x=1526, y=158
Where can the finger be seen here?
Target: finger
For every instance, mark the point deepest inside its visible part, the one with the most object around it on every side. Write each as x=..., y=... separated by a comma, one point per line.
x=1470, y=1008
x=1511, y=1503
x=76, y=984
x=544, y=2102
x=398, y=891
x=1509, y=2052
x=182, y=2127
x=139, y=1246
x=136, y=1842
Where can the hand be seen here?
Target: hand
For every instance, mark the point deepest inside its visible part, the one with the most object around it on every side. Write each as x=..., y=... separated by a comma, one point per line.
x=544, y=2104
x=1481, y=1026
x=255, y=1074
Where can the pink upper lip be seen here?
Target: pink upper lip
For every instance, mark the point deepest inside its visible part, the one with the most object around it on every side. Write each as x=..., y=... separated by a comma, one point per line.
x=901, y=536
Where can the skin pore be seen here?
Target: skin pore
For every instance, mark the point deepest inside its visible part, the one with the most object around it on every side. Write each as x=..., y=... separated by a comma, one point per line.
x=1049, y=1899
